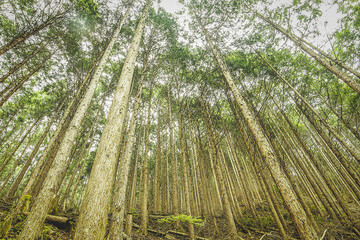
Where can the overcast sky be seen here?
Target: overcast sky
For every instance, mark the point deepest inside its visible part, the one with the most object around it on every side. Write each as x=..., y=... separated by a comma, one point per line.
x=170, y=5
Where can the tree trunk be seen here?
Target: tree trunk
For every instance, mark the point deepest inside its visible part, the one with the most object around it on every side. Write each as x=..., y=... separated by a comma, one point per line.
x=94, y=211
x=157, y=166
x=34, y=221
x=214, y=148
x=297, y=212
x=349, y=148
x=116, y=225
x=56, y=138
x=82, y=157
x=133, y=183
x=174, y=170
x=185, y=171
x=145, y=180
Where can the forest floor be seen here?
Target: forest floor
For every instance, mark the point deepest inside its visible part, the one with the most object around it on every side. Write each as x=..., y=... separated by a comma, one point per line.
x=248, y=228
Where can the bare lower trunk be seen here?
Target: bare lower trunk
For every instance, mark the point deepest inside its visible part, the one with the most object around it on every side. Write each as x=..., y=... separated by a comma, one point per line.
x=174, y=171
x=145, y=181
x=186, y=174
x=94, y=211
x=116, y=225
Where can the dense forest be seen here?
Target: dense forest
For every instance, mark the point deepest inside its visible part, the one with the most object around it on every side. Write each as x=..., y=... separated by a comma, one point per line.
x=227, y=120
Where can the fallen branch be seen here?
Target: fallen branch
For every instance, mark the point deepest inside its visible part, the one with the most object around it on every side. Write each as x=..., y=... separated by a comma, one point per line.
x=53, y=218
x=323, y=234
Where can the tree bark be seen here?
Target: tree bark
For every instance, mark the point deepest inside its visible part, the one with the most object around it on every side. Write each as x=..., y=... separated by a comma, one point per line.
x=144, y=192
x=297, y=212
x=52, y=147
x=42, y=204
x=185, y=171
x=157, y=165
x=116, y=225
x=214, y=148
x=94, y=211
x=174, y=170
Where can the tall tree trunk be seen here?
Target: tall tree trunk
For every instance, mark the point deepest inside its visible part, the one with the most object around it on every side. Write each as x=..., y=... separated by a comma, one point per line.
x=185, y=171
x=133, y=183
x=82, y=156
x=297, y=212
x=36, y=218
x=174, y=170
x=214, y=148
x=339, y=198
x=47, y=156
x=349, y=148
x=164, y=175
x=157, y=165
x=94, y=211
x=122, y=175
x=145, y=173
x=336, y=61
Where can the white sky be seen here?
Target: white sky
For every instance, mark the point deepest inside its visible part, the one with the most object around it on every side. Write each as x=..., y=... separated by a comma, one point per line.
x=171, y=6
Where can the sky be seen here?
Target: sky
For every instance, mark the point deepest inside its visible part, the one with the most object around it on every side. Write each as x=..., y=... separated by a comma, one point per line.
x=171, y=5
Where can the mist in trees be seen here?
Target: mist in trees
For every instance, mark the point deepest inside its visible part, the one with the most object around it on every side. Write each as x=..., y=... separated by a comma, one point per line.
x=227, y=120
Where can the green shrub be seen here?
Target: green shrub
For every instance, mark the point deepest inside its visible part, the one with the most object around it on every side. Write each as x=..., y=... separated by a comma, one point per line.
x=196, y=221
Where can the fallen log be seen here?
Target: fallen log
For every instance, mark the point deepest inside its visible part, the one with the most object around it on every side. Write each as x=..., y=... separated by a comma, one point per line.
x=53, y=218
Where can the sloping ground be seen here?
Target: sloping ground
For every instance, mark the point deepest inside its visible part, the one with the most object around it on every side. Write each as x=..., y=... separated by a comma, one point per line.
x=248, y=228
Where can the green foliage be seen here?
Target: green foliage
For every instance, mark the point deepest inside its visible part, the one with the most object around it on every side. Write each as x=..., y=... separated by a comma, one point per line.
x=88, y=8
x=264, y=221
x=50, y=232
x=8, y=27
x=196, y=221
x=26, y=203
